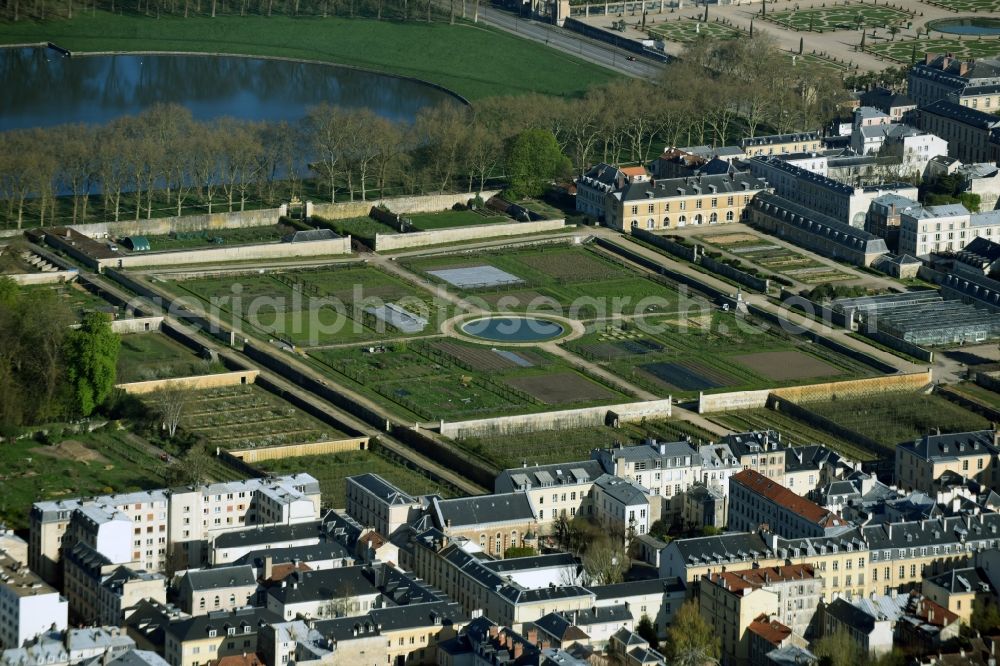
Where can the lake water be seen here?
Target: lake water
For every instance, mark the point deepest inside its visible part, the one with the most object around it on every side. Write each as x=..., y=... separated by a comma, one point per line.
x=42, y=88
x=967, y=26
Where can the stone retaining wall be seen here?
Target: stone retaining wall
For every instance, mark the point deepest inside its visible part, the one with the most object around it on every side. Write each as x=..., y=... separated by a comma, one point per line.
x=317, y=248
x=136, y=325
x=51, y=277
x=723, y=402
x=252, y=456
x=567, y=418
x=162, y=226
x=431, y=203
x=197, y=383
x=389, y=242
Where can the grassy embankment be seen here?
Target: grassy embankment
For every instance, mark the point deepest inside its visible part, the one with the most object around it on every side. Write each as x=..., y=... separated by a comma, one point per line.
x=474, y=61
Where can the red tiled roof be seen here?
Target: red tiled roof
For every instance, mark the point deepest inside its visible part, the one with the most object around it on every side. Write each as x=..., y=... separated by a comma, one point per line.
x=782, y=496
x=250, y=659
x=634, y=171
x=280, y=571
x=931, y=612
x=738, y=581
x=373, y=538
x=770, y=630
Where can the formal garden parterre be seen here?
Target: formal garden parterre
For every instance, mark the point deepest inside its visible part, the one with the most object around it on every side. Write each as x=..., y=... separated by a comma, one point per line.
x=907, y=51
x=839, y=17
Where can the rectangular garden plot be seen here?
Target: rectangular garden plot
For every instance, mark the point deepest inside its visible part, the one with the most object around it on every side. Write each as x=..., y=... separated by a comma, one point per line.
x=786, y=365
x=688, y=375
x=147, y=356
x=560, y=388
x=242, y=417
x=475, y=277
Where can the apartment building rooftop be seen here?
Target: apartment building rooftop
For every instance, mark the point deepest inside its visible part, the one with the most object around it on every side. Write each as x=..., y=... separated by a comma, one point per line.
x=739, y=582
x=769, y=629
x=801, y=174
x=557, y=474
x=21, y=580
x=382, y=489
x=782, y=496
x=265, y=534
x=484, y=510
x=220, y=577
x=958, y=581
x=933, y=531
x=963, y=114
x=727, y=547
x=772, y=139
x=709, y=185
x=952, y=446
x=243, y=620
x=627, y=492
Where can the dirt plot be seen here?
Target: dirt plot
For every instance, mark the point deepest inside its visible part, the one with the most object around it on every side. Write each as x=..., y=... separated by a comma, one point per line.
x=622, y=348
x=521, y=298
x=560, y=387
x=688, y=375
x=481, y=358
x=71, y=450
x=732, y=239
x=784, y=365
x=569, y=265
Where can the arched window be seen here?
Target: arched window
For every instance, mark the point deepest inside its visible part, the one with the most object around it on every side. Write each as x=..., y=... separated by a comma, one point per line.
x=713, y=218
x=482, y=541
x=513, y=538
x=635, y=223
x=697, y=218
x=666, y=221
x=682, y=220
x=216, y=601
x=729, y=216
x=650, y=223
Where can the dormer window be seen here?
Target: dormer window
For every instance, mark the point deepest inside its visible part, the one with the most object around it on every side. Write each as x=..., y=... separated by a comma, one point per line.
x=212, y=633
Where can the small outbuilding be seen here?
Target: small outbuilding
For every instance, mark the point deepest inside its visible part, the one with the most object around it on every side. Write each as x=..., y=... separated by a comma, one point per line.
x=136, y=243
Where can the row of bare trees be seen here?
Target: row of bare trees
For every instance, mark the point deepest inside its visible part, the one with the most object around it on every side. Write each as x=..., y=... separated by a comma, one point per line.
x=164, y=162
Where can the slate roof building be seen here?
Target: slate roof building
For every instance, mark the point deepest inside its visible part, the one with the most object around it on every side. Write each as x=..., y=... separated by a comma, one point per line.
x=221, y=588
x=757, y=501
x=495, y=522
x=971, y=83
x=972, y=455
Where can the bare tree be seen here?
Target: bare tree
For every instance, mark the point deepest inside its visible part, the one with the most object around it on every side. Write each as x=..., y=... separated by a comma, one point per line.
x=171, y=404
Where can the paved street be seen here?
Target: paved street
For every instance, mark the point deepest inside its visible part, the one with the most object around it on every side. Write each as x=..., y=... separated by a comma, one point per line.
x=571, y=42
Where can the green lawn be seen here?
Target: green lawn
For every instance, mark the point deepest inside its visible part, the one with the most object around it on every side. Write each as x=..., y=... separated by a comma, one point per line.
x=453, y=218
x=332, y=470
x=217, y=238
x=473, y=60
x=576, y=282
x=145, y=356
x=78, y=299
x=103, y=461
